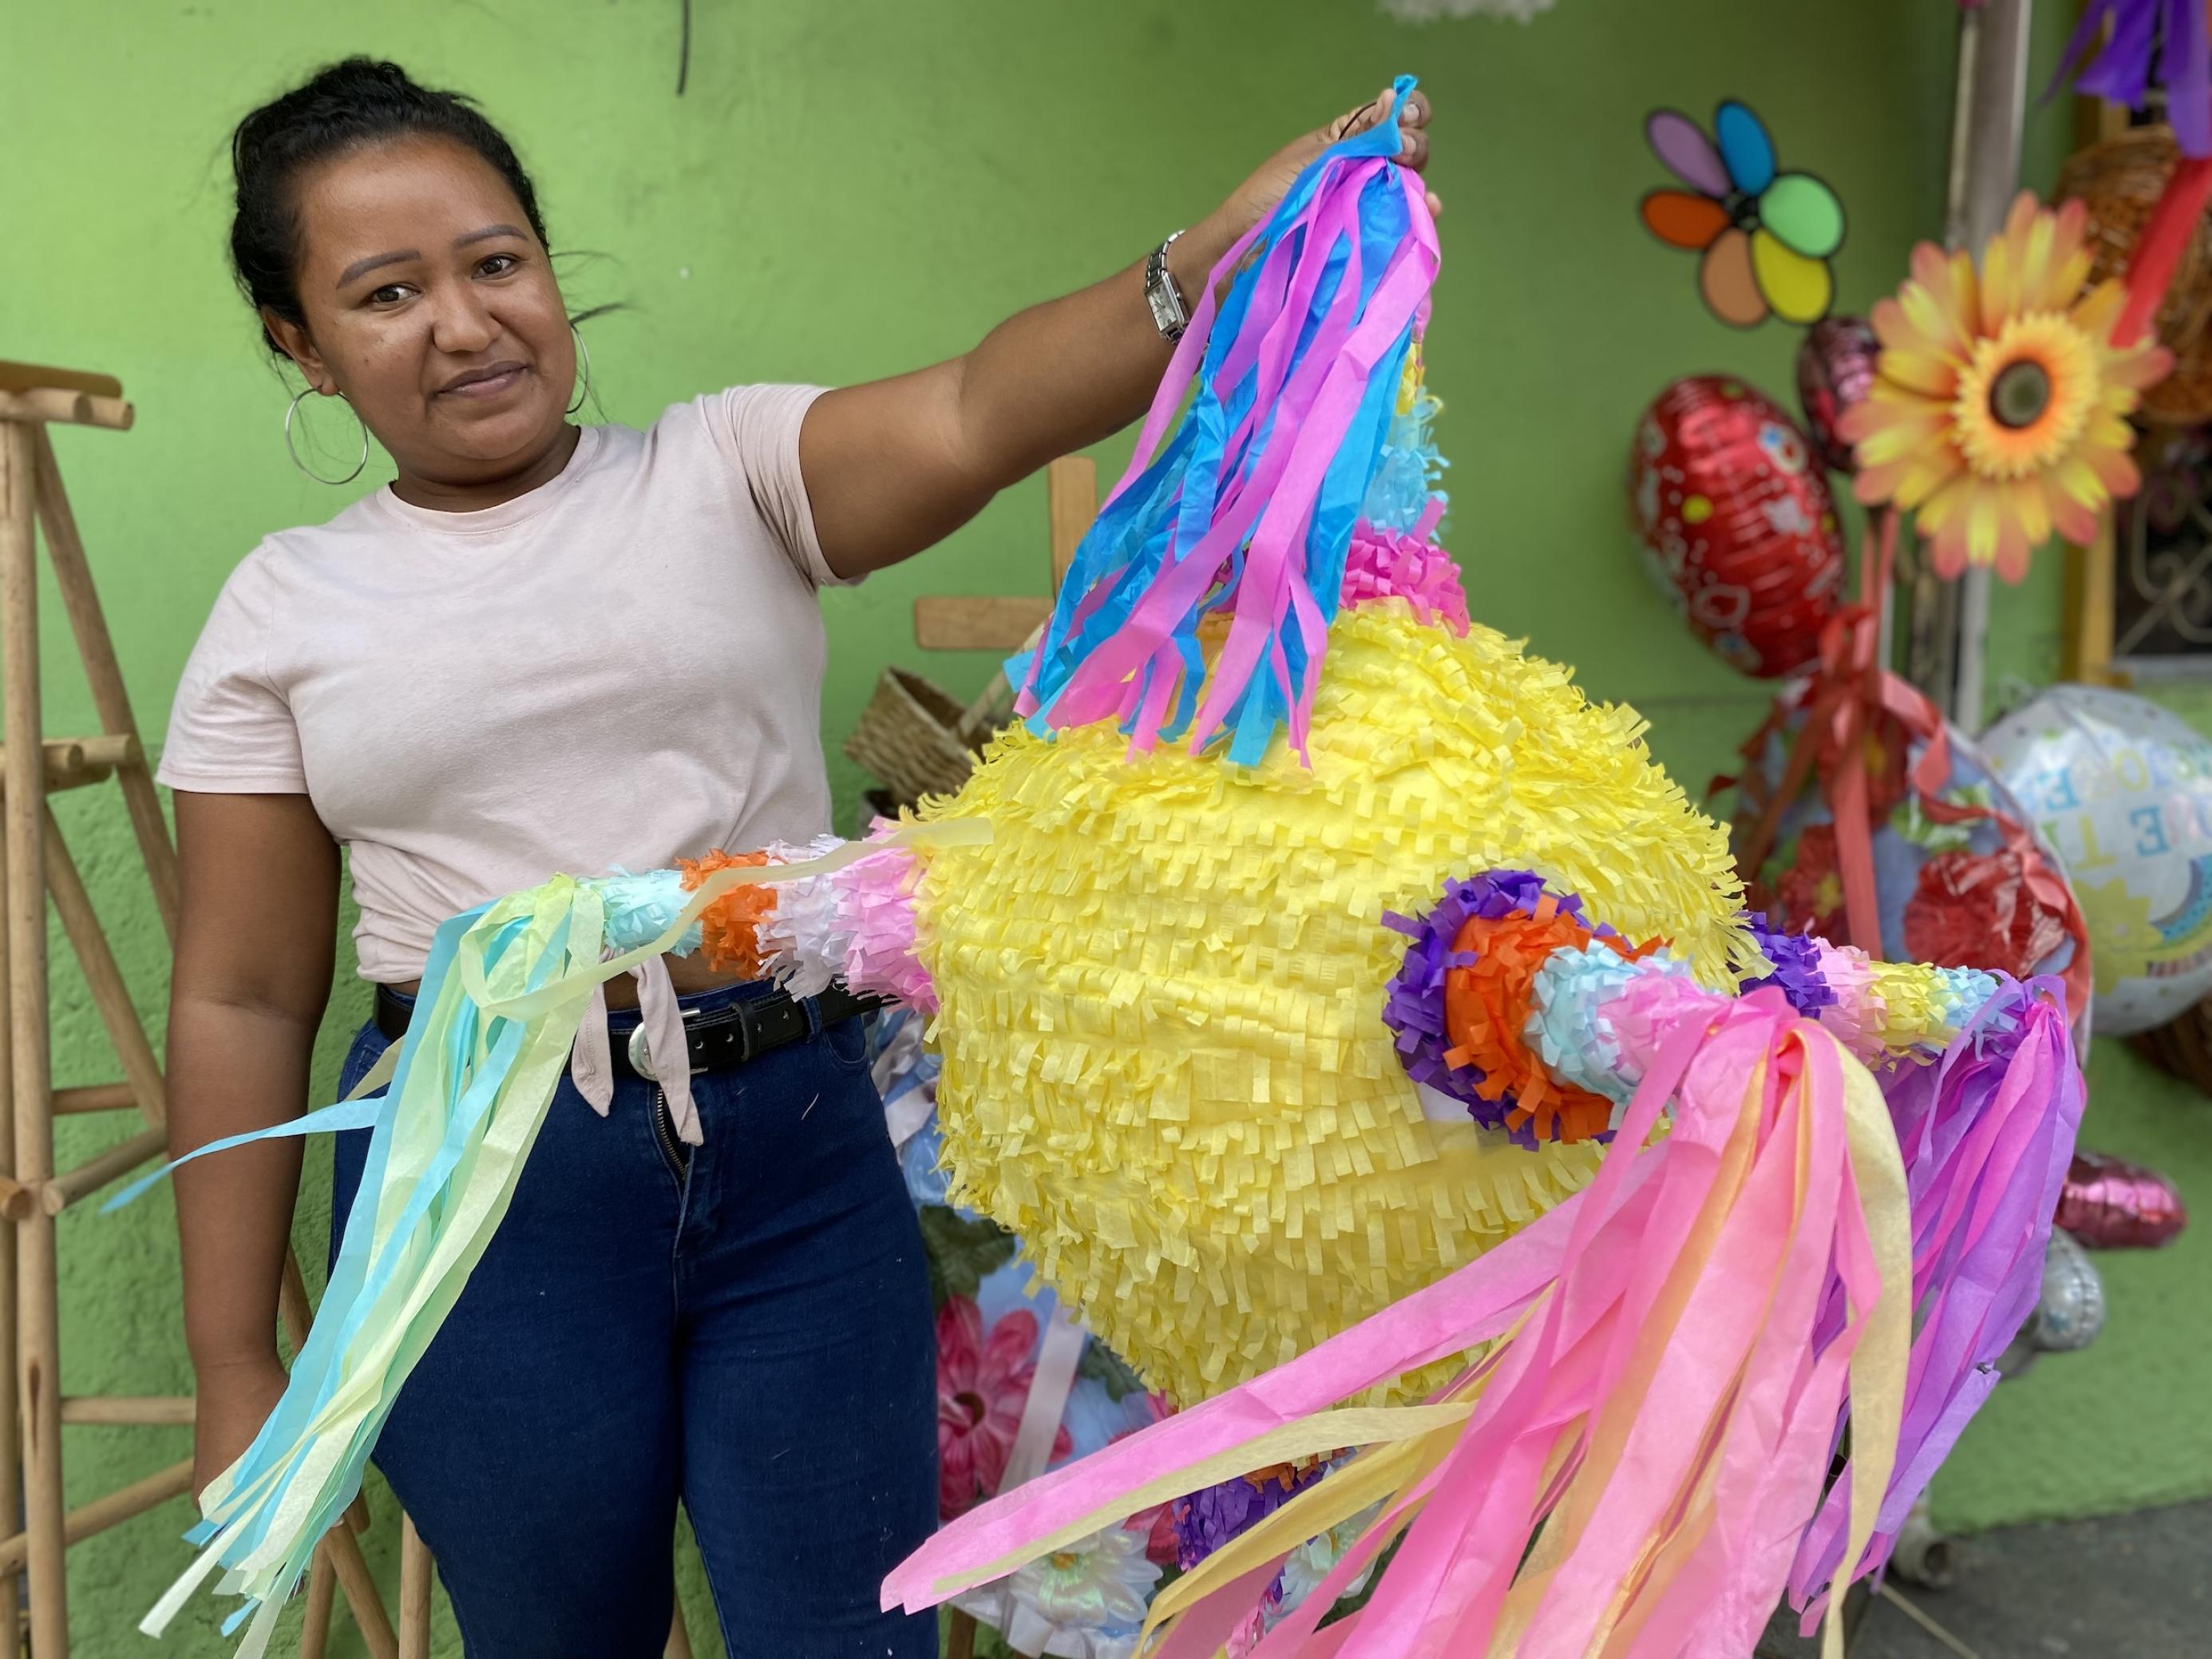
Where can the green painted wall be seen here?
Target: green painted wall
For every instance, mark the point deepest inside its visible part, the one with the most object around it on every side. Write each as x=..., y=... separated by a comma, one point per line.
x=851, y=189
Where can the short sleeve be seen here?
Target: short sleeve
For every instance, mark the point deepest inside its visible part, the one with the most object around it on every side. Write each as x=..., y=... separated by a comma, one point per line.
x=230, y=730
x=756, y=428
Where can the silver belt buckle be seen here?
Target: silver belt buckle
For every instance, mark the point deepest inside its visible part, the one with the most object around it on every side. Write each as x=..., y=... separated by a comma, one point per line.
x=641, y=1056
x=640, y=1052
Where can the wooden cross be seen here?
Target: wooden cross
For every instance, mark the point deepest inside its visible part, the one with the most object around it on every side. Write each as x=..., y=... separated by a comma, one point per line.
x=1005, y=622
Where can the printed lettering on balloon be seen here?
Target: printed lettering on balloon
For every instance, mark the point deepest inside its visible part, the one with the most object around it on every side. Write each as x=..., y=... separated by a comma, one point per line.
x=2123, y=790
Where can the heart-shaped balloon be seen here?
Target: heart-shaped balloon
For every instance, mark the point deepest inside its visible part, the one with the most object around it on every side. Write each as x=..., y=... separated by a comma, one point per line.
x=2110, y=1204
x=1735, y=517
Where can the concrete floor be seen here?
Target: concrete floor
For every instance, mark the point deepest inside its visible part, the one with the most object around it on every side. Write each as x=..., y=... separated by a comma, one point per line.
x=2128, y=1587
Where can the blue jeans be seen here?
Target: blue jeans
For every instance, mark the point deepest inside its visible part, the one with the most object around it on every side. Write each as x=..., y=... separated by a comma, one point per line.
x=744, y=1326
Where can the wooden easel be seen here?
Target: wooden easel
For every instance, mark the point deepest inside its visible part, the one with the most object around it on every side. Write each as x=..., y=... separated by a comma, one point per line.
x=35, y=865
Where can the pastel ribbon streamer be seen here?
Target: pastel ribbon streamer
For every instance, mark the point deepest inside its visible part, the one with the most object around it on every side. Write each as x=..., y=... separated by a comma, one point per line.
x=1665, y=1477
x=1987, y=1133
x=1689, y=1276
x=1986, y=1098
x=436, y=1182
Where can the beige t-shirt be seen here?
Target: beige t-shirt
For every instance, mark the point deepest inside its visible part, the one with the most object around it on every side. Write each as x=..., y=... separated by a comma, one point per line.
x=621, y=668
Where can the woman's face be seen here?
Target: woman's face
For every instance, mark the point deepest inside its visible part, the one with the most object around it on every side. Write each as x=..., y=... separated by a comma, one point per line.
x=431, y=305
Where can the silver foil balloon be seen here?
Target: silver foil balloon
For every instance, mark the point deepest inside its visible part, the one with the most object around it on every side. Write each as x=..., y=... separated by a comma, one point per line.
x=2069, y=1313
x=2072, y=1309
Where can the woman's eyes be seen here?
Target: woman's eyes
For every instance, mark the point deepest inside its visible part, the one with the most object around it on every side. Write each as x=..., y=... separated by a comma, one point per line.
x=492, y=264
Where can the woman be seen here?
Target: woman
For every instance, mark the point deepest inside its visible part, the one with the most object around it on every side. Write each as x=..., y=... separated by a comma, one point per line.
x=720, y=1300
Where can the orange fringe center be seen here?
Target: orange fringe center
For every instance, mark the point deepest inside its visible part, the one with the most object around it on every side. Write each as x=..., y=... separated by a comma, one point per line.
x=729, y=928
x=1486, y=1007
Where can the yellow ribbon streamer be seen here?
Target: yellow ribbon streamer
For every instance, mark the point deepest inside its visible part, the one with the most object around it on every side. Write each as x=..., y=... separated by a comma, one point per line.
x=1309, y=1437
x=1878, y=1364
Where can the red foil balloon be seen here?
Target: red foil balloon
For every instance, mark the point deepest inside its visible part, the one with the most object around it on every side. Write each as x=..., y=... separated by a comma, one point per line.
x=1835, y=371
x=2110, y=1205
x=1980, y=910
x=1736, y=522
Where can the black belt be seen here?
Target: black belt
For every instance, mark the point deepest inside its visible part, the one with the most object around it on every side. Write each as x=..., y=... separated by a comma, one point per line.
x=720, y=1039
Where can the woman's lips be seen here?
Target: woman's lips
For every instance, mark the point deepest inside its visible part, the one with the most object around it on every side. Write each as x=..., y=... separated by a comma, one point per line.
x=493, y=382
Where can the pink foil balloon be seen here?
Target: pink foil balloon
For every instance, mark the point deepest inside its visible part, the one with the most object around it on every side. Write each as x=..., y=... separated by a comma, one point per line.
x=1835, y=370
x=2112, y=1205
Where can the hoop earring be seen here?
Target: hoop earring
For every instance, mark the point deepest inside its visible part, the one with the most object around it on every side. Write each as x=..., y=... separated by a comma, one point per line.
x=583, y=357
x=292, y=409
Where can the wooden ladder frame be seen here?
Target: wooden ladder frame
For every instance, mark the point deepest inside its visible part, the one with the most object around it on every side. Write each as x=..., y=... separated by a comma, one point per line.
x=36, y=866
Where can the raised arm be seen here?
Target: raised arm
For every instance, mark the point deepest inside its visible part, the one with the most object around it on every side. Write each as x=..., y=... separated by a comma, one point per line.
x=255, y=943
x=895, y=466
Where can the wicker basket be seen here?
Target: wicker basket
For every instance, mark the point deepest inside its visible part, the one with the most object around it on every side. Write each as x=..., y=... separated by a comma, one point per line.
x=915, y=738
x=2183, y=1046
x=2119, y=180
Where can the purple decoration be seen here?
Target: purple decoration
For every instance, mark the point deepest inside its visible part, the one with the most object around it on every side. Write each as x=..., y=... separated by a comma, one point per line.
x=1210, y=1517
x=1987, y=1132
x=1686, y=152
x=1796, y=959
x=1415, y=1008
x=2174, y=30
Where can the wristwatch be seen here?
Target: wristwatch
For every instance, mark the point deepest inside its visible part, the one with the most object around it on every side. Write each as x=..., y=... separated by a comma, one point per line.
x=1169, y=315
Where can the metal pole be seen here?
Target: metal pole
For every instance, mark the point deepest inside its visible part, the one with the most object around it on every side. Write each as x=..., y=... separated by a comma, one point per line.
x=1993, y=41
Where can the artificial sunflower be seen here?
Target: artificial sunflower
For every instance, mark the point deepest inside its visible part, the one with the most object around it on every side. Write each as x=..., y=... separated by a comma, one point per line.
x=1999, y=410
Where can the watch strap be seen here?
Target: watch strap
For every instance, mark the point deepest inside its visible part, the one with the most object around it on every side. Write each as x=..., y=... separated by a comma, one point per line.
x=1170, y=314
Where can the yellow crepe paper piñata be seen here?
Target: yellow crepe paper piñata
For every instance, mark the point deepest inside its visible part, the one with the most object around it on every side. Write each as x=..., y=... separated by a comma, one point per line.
x=1163, y=1063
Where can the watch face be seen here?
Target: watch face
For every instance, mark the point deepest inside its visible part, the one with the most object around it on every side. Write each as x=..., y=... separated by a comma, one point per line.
x=1167, y=308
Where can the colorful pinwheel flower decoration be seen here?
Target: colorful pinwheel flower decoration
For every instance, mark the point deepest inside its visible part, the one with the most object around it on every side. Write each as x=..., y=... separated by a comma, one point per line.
x=1767, y=235
x=2000, y=403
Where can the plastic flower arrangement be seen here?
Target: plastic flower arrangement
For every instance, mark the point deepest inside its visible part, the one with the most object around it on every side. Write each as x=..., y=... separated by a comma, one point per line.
x=1999, y=408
